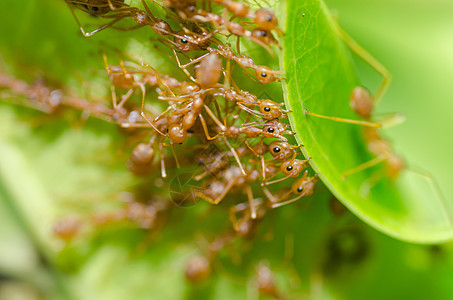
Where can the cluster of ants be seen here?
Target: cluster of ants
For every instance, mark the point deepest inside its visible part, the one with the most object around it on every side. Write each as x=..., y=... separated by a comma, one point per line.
x=239, y=140
x=243, y=137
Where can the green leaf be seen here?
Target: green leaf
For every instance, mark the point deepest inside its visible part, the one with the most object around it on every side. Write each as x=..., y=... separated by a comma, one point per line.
x=320, y=76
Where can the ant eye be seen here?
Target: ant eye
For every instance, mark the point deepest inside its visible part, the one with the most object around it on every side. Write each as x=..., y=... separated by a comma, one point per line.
x=94, y=8
x=271, y=130
x=184, y=41
x=300, y=189
x=267, y=108
x=269, y=18
x=276, y=149
x=289, y=168
x=264, y=74
x=192, y=8
x=263, y=33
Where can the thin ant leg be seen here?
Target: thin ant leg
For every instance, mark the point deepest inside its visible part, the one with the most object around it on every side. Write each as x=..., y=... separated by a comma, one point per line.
x=365, y=166
x=125, y=97
x=214, y=118
x=151, y=124
x=437, y=190
x=182, y=67
x=205, y=129
x=119, y=18
x=112, y=87
x=130, y=28
x=174, y=154
x=162, y=160
x=236, y=156
x=252, y=205
x=286, y=202
x=357, y=122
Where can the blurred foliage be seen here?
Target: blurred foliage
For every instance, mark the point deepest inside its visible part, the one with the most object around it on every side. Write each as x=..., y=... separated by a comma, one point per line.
x=52, y=167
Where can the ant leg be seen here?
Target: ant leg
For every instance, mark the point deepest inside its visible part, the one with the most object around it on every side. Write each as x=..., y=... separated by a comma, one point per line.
x=183, y=67
x=250, y=111
x=365, y=166
x=142, y=87
x=393, y=120
x=269, y=195
x=164, y=112
x=134, y=125
x=438, y=191
x=369, y=59
x=252, y=205
x=236, y=156
x=206, y=131
x=125, y=97
x=357, y=122
x=214, y=118
x=221, y=196
x=277, y=180
x=130, y=28
x=119, y=18
x=150, y=123
x=162, y=160
x=232, y=215
x=278, y=204
x=174, y=155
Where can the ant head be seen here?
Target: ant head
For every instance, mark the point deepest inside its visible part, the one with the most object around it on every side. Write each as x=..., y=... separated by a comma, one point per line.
x=184, y=42
x=293, y=167
x=264, y=36
x=265, y=75
x=270, y=109
x=304, y=186
x=265, y=19
x=274, y=129
x=281, y=150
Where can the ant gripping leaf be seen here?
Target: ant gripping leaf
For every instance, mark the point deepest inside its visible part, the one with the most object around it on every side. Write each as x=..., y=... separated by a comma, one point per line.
x=320, y=78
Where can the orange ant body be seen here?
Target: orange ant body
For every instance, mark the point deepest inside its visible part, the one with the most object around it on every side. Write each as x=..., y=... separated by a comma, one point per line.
x=121, y=10
x=303, y=186
x=263, y=74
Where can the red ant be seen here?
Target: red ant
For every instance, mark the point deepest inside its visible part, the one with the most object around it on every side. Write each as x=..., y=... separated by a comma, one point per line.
x=303, y=186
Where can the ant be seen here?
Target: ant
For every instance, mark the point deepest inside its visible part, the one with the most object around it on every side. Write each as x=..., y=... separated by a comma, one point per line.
x=263, y=74
x=303, y=186
x=264, y=18
x=122, y=10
